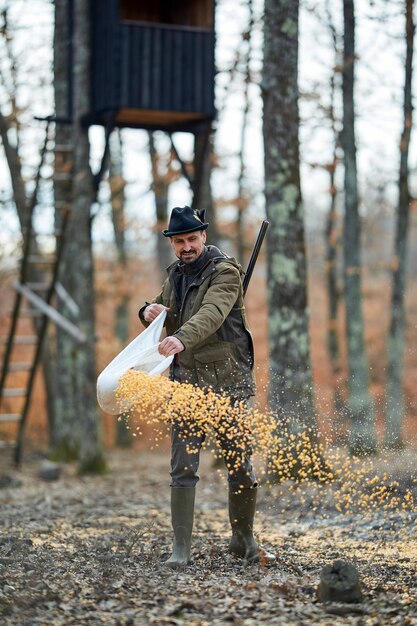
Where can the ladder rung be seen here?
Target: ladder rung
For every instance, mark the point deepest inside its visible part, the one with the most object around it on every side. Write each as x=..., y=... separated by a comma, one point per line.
x=20, y=367
x=10, y=417
x=51, y=313
x=26, y=312
x=37, y=286
x=22, y=340
x=37, y=258
x=14, y=392
x=30, y=312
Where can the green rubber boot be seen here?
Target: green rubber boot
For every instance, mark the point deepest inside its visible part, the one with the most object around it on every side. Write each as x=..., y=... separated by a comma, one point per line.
x=242, y=507
x=182, y=516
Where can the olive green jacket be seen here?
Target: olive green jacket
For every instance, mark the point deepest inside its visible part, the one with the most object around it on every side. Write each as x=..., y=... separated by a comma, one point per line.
x=212, y=325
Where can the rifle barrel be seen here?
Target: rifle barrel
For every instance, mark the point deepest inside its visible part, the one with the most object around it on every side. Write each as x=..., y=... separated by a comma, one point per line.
x=254, y=255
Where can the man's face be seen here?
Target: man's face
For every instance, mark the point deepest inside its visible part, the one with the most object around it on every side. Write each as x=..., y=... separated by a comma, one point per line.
x=188, y=246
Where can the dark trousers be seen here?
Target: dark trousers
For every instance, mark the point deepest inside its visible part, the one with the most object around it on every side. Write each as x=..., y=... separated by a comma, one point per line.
x=186, y=443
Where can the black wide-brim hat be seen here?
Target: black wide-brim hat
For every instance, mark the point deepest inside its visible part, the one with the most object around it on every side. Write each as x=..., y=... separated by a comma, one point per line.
x=185, y=220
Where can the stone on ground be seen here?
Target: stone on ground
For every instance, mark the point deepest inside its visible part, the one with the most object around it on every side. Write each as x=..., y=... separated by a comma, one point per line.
x=339, y=582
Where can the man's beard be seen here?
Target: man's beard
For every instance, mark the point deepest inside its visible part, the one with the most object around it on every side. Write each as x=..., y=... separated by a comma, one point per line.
x=190, y=257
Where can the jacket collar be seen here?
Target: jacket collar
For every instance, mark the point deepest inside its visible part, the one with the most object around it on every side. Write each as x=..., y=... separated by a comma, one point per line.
x=212, y=254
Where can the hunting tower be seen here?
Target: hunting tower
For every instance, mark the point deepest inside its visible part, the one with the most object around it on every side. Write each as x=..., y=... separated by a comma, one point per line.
x=152, y=64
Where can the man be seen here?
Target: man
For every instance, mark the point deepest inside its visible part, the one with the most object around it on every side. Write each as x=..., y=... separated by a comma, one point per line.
x=208, y=334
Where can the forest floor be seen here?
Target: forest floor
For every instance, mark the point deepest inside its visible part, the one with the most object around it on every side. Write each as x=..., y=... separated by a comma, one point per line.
x=90, y=550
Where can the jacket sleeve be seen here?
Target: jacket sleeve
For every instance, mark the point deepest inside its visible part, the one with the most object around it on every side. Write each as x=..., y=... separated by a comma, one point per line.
x=156, y=300
x=215, y=307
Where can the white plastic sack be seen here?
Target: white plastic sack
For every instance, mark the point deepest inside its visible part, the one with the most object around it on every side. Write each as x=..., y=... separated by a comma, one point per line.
x=141, y=354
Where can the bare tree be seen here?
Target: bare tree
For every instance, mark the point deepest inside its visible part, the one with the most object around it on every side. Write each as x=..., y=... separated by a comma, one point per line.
x=161, y=179
x=394, y=413
x=362, y=438
x=332, y=235
x=242, y=192
x=201, y=186
x=10, y=134
x=117, y=185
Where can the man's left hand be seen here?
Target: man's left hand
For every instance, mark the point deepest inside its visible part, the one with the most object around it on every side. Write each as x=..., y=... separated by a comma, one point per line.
x=170, y=346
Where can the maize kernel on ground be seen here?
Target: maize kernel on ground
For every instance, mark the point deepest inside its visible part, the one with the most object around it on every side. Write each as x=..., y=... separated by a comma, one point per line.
x=284, y=456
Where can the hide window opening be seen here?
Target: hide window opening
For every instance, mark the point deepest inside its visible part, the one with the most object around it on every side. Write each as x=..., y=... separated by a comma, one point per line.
x=191, y=13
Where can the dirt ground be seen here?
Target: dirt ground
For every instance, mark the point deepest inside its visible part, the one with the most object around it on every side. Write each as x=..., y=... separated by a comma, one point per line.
x=90, y=550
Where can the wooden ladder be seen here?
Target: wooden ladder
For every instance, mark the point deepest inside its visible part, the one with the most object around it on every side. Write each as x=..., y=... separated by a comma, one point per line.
x=37, y=306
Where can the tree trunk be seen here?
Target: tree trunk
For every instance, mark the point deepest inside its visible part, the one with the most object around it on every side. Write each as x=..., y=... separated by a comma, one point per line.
x=362, y=437
x=394, y=413
x=242, y=193
x=333, y=298
x=90, y=451
x=332, y=246
x=202, y=196
x=290, y=387
x=160, y=189
x=117, y=186
x=64, y=440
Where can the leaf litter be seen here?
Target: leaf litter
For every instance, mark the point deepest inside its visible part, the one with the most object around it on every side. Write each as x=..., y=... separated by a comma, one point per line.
x=90, y=550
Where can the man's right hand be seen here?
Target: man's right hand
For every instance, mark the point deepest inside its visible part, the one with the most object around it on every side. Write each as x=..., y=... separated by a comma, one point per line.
x=152, y=311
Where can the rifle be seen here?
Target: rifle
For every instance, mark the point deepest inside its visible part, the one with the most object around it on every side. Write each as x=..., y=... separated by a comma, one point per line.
x=254, y=255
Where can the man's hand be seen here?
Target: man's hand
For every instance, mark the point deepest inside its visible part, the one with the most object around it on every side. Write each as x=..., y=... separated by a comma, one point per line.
x=170, y=345
x=152, y=311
